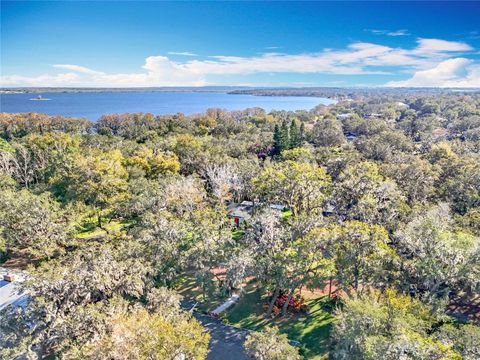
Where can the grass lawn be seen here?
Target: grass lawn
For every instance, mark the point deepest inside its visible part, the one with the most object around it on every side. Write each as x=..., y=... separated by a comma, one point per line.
x=237, y=234
x=311, y=330
x=286, y=213
x=92, y=230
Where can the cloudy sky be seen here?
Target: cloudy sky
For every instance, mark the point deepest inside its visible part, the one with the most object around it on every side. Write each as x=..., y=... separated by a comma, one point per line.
x=124, y=44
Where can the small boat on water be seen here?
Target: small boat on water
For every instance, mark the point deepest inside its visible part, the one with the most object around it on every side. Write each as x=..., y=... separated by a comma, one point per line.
x=39, y=97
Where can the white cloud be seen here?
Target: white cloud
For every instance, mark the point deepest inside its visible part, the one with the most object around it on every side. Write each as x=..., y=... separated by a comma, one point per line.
x=401, y=32
x=41, y=80
x=182, y=53
x=358, y=58
x=458, y=72
x=77, y=68
x=436, y=45
x=158, y=71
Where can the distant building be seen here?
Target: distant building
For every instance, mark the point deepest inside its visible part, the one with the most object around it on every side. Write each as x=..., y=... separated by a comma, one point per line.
x=441, y=133
x=343, y=116
x=328, y=209
x=240, y=212
x=277, y=207
x=373, y=116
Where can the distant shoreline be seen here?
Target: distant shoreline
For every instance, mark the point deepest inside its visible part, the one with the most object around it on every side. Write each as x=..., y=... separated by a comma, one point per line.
x=36, y=90
x=92, y=105
x=336, y=93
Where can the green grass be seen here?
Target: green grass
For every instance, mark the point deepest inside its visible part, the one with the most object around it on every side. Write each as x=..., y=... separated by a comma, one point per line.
x=311, y=330
x=286, y=213
x=237, y=234
x=91, y=230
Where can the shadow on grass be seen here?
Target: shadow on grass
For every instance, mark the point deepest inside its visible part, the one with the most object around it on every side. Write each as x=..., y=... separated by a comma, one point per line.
x=188, y=288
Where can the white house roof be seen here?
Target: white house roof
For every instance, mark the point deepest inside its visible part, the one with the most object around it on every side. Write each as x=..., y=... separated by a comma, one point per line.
x=276, y=206
x=343, y=115
x=243, y=210
x=10, y=292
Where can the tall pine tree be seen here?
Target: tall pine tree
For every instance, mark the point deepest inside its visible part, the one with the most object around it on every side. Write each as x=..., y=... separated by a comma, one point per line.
x=294, y=135
x=302, y=132
x=284, y=136
x=277, y=140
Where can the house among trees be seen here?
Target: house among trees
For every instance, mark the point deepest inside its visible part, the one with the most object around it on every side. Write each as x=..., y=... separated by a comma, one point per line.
x=328, y=209
x=441, y=133
x=279, y=207
x=343, y=116
x=240, y=212
x=373, y=116
x=243, y=211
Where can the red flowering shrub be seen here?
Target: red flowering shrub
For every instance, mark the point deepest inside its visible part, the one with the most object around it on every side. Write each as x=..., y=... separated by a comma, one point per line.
x=296, y=303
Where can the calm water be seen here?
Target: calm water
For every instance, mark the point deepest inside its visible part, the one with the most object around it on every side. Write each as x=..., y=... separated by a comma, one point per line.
x=94, y=105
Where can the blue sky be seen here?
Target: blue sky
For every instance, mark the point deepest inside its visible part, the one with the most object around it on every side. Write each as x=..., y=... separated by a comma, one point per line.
x=240, y=43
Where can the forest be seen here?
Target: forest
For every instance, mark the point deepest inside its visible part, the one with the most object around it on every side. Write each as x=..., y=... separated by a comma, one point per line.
x=361, y=239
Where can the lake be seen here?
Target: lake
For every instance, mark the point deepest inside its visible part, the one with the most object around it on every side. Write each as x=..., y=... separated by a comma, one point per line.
x=92, y=105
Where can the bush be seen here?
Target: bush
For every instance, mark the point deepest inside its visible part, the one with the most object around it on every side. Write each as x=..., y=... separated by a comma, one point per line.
x=296, y=303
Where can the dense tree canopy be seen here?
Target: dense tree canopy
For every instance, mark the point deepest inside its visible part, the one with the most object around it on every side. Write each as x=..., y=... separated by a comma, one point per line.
x=377, y=195
x=270, y=345
x=393, y=326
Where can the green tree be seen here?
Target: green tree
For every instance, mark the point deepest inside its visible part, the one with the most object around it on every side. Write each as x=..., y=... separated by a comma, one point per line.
x=32, y=226
x=99, y=179
x=299, y=154
x=189, y=151
x=414, y=176
x=54, y=154
x=285, y=256
x=284, y=136
x=337, y=159
x=267, y=239
x=385, y=146
x=327, y=132
x=71, y=300
x=295, y=139
x=154, y=164
x=143, y=335
x=387, y=326
x=269, y=345
x=362, y=193
x=301, y=187
x=463, y=187
x=438, y=259
x=361, y=254
x=179, y=231
x=277, y=140
x=302, y=132
x=464, y=338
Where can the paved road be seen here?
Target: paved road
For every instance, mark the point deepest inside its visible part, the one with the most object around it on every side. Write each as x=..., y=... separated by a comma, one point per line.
x=226, y=342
